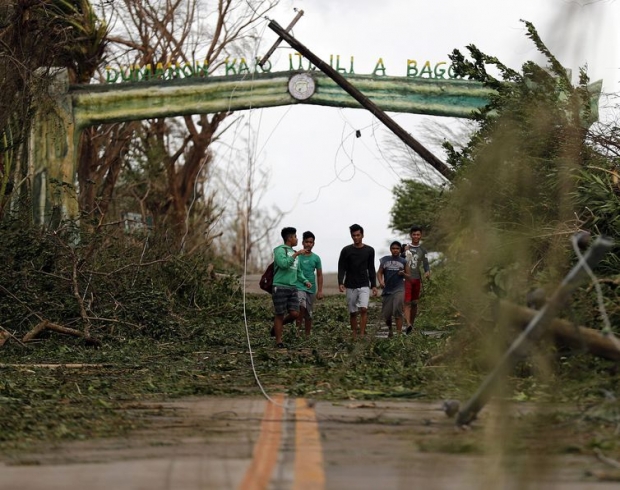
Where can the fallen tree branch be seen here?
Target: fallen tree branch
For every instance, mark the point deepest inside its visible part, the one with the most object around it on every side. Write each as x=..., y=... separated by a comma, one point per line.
x=35, y=331
x=47, y=325
x=65, y=330
x=601, y=457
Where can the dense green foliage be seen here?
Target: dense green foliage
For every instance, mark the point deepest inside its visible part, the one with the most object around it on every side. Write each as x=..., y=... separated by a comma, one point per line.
x=530, y=177
x=415, y=203
x=518, y=170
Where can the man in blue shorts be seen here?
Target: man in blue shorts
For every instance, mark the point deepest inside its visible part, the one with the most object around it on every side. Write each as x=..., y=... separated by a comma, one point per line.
x=309, y=264
x=287, y=274
x=391, y=276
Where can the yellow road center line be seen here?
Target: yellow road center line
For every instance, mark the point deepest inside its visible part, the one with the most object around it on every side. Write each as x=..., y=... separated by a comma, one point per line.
x=265, y=454
x=309, y=474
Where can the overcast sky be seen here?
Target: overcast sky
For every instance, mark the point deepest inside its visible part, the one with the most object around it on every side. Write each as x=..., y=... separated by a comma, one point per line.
x=323, y=177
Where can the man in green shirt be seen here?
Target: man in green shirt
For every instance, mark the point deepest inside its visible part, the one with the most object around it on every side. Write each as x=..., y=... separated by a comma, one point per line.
x=287, y=274
x=309, y=264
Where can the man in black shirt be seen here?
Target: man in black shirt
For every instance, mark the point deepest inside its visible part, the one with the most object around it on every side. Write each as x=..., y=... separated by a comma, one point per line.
x=356, y=275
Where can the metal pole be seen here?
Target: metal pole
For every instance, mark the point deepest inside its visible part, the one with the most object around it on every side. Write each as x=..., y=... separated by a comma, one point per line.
x=409, y=140
x=576, y=275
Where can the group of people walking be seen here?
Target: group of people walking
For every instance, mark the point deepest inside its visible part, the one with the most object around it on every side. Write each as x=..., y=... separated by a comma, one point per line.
x=298, y=281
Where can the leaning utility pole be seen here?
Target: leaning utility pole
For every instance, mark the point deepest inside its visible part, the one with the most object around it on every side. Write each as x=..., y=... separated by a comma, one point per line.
x=409, y=140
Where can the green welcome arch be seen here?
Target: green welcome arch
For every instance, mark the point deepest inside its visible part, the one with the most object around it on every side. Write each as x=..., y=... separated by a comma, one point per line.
x=53, y=145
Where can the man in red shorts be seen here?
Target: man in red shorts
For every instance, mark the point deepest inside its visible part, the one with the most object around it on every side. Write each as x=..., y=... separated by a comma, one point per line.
x=416, y=256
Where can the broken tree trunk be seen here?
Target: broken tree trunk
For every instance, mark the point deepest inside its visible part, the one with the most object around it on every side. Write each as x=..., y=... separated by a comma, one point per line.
x=65, y=330
x=564, y=331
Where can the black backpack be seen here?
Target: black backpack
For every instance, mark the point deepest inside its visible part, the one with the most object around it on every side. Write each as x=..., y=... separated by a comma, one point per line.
x=266, y=280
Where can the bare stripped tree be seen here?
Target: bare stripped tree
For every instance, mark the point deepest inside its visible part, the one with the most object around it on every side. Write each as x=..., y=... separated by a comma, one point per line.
x=244, y=226
x=176, y=152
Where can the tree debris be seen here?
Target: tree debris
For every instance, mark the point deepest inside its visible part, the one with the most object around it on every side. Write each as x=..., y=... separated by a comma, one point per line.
x=47, y=325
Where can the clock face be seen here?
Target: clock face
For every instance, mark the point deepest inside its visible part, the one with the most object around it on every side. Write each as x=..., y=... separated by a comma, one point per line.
x=301, y=86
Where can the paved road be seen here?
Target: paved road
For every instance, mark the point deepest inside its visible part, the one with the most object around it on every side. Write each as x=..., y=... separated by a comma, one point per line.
x=249, y=443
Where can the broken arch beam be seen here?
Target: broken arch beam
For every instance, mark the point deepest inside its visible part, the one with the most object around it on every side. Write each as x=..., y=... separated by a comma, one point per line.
x=98, y=104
